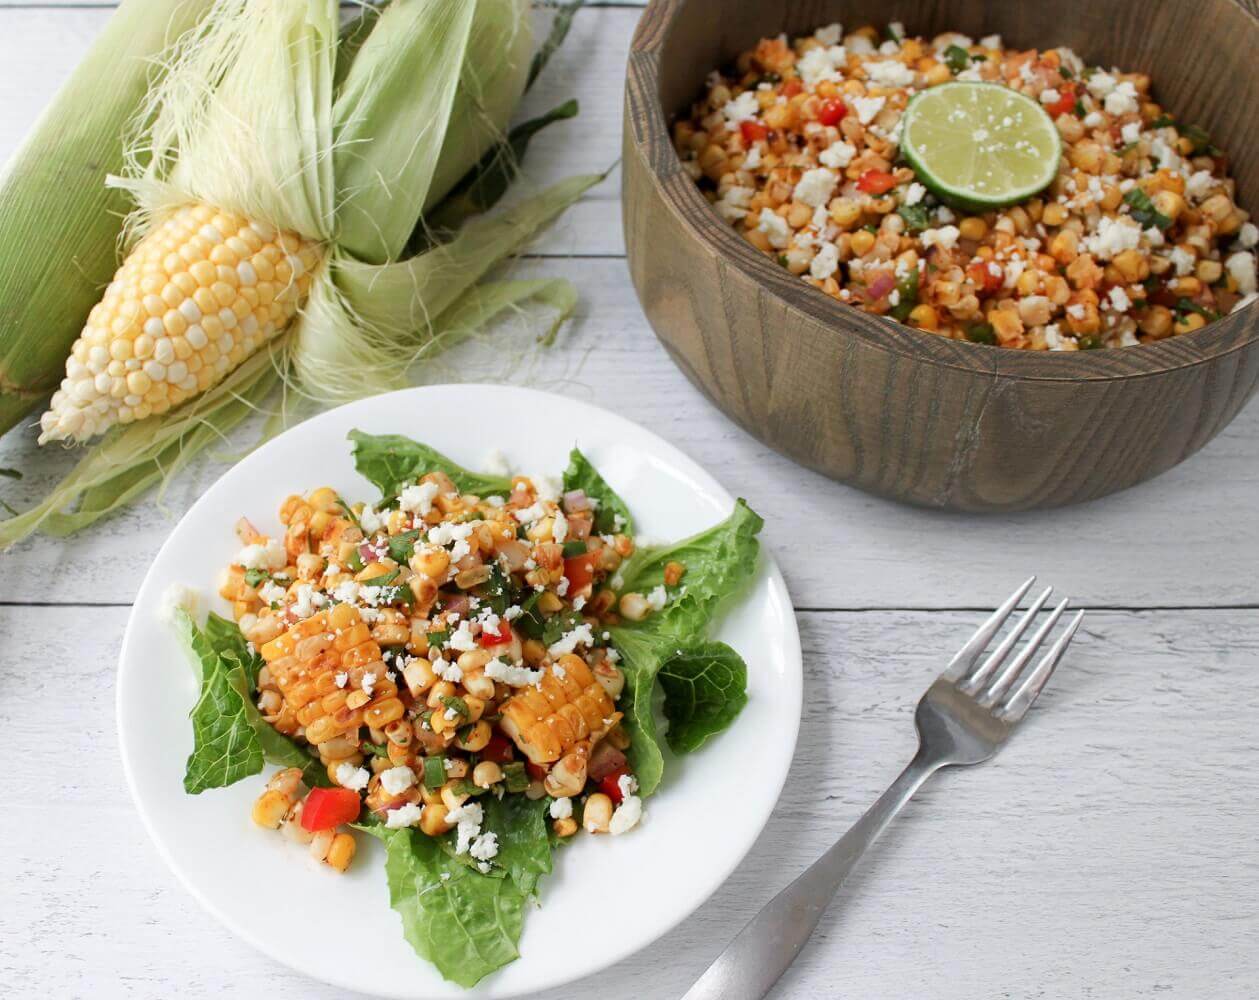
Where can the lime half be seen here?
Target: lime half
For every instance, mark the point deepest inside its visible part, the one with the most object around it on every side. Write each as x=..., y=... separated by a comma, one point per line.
x=980, y=146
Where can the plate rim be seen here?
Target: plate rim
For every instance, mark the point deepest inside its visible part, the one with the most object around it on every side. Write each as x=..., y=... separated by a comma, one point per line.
x=793, y=657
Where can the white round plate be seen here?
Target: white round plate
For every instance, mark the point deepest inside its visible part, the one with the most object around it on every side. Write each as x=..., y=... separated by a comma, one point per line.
x=697, y=828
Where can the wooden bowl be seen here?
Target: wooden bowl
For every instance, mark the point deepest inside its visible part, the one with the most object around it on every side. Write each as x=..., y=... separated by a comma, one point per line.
x=897, y=412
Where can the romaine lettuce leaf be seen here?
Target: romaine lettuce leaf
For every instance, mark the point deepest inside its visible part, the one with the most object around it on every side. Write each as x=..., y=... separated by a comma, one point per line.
x=465, y=923
x=231, y=740
x=225, y=746
x=611, y=513
x=524, y=845
x=718, y=563
x=391, y=461
x=705, y=689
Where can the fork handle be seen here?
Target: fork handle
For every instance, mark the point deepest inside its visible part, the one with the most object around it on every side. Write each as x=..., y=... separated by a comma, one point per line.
x=756, y=959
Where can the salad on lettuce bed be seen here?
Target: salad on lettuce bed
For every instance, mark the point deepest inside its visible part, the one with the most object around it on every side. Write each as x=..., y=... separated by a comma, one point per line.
x=465, y=670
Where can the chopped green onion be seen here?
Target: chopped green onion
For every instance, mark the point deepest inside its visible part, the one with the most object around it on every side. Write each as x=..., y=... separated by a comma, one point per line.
x=255, y=577
x=1189, y=306
x=435, y=771
x=907, y=288
x=1144, y=212
x=515, y=776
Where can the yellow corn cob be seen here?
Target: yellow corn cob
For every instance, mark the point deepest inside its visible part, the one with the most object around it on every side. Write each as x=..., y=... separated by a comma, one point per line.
x=549, y=720
x=304, y=663
x=200, y=293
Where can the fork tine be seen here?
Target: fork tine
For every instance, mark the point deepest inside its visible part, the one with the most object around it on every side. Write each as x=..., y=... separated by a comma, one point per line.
x=997, y=689
x=976, y=680
x=1029, y=689
x=977, y=643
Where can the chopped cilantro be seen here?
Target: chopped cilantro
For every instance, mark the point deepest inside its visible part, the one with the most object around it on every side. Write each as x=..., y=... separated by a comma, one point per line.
x=1144, y=212
x=574, y=548
x=981, y=333
x=917, y=217
x=402, y=547
x=956, y=58
x=456, y=704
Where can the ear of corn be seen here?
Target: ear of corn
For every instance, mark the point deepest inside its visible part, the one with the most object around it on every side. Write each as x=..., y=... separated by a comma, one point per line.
x=235, y=170
x=59, y=223
x=199, y=294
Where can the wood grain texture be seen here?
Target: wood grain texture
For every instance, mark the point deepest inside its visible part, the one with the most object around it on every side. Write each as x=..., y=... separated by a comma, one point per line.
x=884, y=407
x=1107, y=852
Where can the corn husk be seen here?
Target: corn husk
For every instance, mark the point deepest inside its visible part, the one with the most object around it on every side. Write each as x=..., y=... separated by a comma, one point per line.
x=291, y=129
x=59, y=223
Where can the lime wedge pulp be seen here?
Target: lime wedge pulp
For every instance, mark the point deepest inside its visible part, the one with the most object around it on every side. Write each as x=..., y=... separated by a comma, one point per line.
x=980, y=146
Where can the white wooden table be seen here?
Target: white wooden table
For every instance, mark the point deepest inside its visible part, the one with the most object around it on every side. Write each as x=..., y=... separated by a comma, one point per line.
x=1111, y=850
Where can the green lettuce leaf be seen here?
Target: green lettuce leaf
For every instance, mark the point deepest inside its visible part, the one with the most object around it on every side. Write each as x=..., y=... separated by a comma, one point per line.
x=611, y=513
x=718, y=563
x=467, y=924
x=231, y=739
x=524, y=845
x=391, y=461
x=705, y=689
x=225, y=745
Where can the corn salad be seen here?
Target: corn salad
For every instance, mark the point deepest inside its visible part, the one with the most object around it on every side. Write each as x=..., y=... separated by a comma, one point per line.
x=441, y=648
x=1138, y=238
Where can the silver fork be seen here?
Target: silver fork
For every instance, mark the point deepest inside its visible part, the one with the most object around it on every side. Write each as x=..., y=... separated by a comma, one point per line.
x=964, y=718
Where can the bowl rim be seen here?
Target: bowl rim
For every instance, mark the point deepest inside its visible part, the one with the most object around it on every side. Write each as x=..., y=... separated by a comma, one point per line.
x=647, y=129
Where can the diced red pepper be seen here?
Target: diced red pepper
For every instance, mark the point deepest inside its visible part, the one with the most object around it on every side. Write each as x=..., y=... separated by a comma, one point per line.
x=498, y=749
x=832, y=112
x=536, y=771
x=753, y=131
x=876, y=182
x=610, y=784
x=499, y=638
x=1065, y=104
x=325, y=808
x=579, y=570
x=985, y=280
x=791, y=88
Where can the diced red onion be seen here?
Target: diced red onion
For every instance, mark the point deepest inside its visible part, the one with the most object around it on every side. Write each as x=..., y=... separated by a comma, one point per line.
x=604, y=761
x=575, y=500
x=880, y=286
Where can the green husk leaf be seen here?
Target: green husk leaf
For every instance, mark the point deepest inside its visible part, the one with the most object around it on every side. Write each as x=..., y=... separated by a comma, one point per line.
x=490, y=89
x=130, y=459
x=489, y=180
x=560, y=23
x=354, y=33
x=59, y=223
x=402, y=298
x=392, y=117
x=364, y=329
